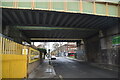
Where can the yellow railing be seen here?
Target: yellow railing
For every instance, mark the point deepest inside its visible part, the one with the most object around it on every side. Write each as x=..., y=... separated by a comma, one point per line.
x=10, y=47
x=33, y=55
x=15, y=58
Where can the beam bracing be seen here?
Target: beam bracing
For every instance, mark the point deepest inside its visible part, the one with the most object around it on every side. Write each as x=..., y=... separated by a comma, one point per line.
x=53, y=39
x=4, y=19
x=103, y=23
x=63, y=21
x=52, y=28
x=8, y=17
x=91, y=22
x=51, y=18
x=58, y=18
x=99, y=22
x=37, y=18
x=59, y=34
x=67, y=19
x=81, y=22
x=44, y=18
x=88, y=22
x=56, y=33
x=13, y=18
x=76, y=21
x=69, y=33
x=23, y=17
x=16, y=17
x=70, y=20
x=30, y=17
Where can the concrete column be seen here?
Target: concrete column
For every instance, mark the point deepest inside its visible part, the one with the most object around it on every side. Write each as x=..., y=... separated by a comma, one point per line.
x=92, y=48
x=109, y=51
x=81, y=55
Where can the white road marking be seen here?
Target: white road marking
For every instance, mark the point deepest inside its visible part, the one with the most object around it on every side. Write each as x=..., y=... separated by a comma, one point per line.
x=60, y=77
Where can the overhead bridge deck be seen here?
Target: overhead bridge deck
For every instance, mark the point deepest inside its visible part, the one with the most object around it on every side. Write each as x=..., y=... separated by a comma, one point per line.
x=51, y=24
x=96, y=7
x=52, y=19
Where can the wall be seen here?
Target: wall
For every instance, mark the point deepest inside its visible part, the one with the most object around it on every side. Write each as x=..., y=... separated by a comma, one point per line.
x=108, y=50
x=81, y=51
x=99, y=48
x=92, y=48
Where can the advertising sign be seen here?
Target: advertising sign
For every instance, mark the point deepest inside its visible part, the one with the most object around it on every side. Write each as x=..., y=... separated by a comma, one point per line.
x=116, y=40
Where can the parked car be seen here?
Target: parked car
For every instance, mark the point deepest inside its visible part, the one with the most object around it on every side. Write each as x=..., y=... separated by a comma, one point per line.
x=53, y=58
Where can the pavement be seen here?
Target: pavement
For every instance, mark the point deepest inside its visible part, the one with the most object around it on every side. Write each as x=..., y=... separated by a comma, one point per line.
x=43, y=71
x=68, y=68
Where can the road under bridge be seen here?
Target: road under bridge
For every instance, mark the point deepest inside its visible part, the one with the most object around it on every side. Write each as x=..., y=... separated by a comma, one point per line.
x=94, y=28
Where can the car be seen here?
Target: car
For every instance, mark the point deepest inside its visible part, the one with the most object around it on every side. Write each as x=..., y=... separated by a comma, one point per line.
x=53, y=58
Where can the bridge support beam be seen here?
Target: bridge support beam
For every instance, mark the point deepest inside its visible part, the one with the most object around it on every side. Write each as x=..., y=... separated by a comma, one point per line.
x=13, y=33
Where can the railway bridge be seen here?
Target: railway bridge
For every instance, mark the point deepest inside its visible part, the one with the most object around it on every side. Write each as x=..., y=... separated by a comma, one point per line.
x=94, y=25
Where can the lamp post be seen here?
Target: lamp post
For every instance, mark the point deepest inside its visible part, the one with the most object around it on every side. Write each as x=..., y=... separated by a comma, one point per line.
x=49, y=56
x=49, y=70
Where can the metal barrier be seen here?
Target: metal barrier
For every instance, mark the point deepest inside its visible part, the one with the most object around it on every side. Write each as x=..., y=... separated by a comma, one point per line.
x=10, y=47
x=14, y=58
x=33, y=55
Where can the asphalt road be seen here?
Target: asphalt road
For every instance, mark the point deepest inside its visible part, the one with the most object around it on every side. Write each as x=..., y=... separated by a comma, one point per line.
x=67, y=68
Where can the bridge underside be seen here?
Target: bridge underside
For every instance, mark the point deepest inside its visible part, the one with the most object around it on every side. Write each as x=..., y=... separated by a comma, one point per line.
x=52, y=24
x=54, y=40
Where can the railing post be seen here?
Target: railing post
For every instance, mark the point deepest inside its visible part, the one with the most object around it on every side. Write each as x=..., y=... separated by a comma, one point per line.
x=3, y=46
x=0, y=45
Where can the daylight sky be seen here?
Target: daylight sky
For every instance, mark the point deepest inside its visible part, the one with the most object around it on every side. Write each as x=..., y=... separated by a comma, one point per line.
x=49, y=44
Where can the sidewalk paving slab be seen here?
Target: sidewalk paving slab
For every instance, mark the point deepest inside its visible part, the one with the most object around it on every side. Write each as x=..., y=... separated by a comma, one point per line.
x=43, y=71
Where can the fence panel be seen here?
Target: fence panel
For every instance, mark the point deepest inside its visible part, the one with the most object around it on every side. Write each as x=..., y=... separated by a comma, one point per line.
x=14, y=63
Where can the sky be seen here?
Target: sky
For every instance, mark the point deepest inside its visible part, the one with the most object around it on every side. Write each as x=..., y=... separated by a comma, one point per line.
x=49, y=45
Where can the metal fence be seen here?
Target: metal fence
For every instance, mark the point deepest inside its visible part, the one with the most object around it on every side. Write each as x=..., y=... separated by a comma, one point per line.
x=15, y=58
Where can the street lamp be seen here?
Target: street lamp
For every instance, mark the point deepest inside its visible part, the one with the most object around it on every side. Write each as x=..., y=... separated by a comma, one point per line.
x=49, y=56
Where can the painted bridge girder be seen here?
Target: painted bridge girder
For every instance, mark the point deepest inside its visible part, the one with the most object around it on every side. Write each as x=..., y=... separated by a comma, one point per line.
x=96, y=8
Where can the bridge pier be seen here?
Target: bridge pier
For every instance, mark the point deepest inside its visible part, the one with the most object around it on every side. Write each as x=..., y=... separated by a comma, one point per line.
x=100, y=48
